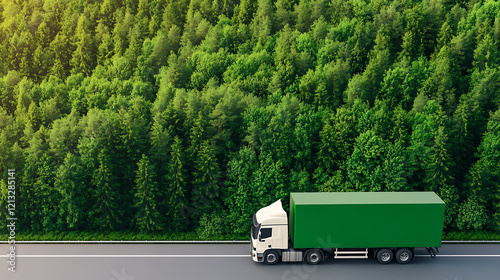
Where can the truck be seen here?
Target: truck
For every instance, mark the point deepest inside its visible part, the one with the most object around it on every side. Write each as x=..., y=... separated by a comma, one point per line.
x=348, y=225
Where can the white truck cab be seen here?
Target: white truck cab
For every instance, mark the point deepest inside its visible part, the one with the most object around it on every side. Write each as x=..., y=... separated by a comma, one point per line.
x=269, y=231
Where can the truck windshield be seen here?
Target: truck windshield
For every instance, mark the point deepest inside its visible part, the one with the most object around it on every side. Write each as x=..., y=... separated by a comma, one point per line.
x=255, y=227
x=255, y=231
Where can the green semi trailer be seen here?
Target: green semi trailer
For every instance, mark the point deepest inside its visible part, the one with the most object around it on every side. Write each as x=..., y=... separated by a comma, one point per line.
x=348, y=225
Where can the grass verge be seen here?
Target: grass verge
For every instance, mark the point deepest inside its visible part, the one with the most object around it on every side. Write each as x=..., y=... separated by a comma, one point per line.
x=141, y=236
x=115, y=236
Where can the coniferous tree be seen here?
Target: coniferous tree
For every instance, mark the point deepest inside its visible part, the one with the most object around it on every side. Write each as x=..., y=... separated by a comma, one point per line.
x=105, y=215
x=303, y=14
x=84, y=57
x=4, y=196
x=239, y=197
x=104, y=44
x=205, y=195
x=265, y=97
x=27, y=195
x=283, y=13
x=44, y=185
x=397, y=168
x=482, y=178
x=69, y=182
x=365, y=164
x=440, y=177
x=177, y=192
x=246, y=10
x=263, y=21
x=147, y=198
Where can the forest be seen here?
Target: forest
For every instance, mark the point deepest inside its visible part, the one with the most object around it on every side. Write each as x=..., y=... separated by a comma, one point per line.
x=182, y=116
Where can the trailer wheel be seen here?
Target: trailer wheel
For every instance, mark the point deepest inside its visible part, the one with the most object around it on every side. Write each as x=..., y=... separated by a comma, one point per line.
x=314, y=256
x=404, y=255
x=385, y=256
x=271, y=257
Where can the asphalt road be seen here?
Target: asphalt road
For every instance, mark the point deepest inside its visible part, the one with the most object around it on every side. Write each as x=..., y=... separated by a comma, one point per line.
x=232, y=262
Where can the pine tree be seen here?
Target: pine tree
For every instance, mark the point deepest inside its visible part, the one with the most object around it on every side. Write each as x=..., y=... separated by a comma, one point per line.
x=197, y=136
x=364, y=166
x=73, y=190
x=444, y=37
x=397, y=168
x=123, y=25
x=263, y=21
x=177, y=192
x=337, y=77
x=105, y=215
x=283, y=13
x=440, y=177
x=246, y=9
x=4, y=198
x=84, y=58
x=29, y=200
x=486, y=54
x=240, y=195
x=105, y=44
x=44, y=185
x=160, y=142
x=423, y=129
x=303, y=14
x=205, y=195
x=147, y=198
x=484, y=175
x=337, y=136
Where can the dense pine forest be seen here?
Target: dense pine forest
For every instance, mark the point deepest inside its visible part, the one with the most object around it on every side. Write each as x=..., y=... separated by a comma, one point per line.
x=187, y=116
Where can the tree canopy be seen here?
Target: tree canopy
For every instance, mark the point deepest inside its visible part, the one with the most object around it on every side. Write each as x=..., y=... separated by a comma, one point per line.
x=189, y=115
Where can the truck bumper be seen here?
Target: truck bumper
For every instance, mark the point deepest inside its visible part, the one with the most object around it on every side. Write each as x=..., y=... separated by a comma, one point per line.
x=256, y=257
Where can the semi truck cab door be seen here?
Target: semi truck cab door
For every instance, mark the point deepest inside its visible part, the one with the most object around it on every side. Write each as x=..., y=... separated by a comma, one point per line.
x=276, y=238
x=265, y=237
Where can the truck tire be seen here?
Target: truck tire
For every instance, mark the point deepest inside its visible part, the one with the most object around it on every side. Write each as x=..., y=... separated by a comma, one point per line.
x=314, y=256
x=385, y=256
x=271, y=257
x=404, y=255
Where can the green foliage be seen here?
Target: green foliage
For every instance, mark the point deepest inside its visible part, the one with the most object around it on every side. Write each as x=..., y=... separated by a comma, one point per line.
x=197, y=113
x=240, y=195
x=105, y=213
x=70, y=184
x=206, y=177
x=366, y=162
x=471, y=215
x=3, y=202
x=212, y=225
x=177, y=188
x=146, y=197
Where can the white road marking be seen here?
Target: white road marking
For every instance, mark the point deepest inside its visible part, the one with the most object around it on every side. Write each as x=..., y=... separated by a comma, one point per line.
x=205, y=256
x=130, y=256
x=194, y=242
x=461, y=256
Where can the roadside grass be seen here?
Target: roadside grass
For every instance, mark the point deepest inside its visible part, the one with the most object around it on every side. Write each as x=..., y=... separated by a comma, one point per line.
x=188, y=236
x=475, y=235
x=116, y=236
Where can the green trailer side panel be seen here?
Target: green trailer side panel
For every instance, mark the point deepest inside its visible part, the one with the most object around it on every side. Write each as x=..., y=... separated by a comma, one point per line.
x=366, y=220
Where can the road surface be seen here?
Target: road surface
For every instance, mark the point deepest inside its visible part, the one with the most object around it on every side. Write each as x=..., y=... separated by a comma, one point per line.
x=232, y=262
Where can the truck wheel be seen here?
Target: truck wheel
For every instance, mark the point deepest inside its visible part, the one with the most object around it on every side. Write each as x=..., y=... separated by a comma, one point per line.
x=314, y=257
x=271, y=257
x=385, y=256
x=404, y=255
